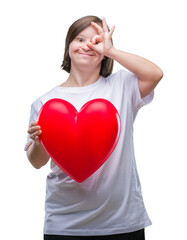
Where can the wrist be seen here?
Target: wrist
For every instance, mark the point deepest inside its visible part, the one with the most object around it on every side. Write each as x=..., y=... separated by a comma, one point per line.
x=111, y=53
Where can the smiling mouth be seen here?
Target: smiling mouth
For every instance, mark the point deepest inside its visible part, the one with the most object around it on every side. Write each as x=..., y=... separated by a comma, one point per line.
x=86, y=54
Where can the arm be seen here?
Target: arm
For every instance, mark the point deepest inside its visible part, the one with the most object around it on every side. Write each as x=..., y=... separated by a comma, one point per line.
x=147, y=72
x=36, y=153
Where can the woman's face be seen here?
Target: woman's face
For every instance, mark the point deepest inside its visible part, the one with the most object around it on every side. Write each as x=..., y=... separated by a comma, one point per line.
x=81, y=55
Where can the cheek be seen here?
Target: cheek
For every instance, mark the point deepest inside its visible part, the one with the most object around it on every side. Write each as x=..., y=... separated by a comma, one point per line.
x=72, y=48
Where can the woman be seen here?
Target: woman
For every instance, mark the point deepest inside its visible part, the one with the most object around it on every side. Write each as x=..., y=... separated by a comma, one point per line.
x=108, y=204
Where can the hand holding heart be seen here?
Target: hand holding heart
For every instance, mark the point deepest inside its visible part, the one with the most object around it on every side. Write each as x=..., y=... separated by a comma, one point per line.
x=34, y=131
x=102, y=43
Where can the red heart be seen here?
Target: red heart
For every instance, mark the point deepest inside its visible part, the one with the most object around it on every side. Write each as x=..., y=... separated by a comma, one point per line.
x=79, y=142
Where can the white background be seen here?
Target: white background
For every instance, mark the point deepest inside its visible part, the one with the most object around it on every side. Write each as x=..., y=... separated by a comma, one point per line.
x=31, y=51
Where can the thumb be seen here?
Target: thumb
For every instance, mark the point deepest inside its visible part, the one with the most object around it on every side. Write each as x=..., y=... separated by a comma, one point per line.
x=95, y=47
x=91, y=45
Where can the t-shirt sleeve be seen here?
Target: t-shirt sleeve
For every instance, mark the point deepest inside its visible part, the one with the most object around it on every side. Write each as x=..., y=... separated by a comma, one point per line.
x=132, y=90
x=35, y=108
x=139, y=102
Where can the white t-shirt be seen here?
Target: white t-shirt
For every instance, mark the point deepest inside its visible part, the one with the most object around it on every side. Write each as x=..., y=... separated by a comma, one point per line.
x=109, y=201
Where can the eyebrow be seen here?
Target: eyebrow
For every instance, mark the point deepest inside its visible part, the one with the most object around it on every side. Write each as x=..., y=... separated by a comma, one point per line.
x=81, y=35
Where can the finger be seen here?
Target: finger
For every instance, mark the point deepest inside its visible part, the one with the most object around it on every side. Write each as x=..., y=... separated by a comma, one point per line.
x=37, y=139
x=96, y=39
x=105, y=28
x=32, y=126
x=97, y=27
x=34, y=123
x=90, y=45
x=93, y=47
x=111, y=31
x=32, y=136
x=33, y=129
x=35, y=135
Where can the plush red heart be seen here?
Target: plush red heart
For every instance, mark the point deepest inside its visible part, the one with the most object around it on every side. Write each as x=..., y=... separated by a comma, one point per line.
x=79, y=142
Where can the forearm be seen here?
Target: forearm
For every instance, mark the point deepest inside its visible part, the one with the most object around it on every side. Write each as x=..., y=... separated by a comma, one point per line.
x=37, y=155
x=143, y=68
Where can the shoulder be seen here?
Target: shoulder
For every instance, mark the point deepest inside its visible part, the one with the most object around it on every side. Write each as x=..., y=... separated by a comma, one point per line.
x=40, y=101
x=121, y=74
x=122, y=78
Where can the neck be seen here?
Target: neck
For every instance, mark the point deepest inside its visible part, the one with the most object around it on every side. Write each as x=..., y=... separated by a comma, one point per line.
x=81, y=78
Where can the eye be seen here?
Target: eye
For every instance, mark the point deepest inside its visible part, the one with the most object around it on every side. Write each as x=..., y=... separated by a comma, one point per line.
x=79, y=39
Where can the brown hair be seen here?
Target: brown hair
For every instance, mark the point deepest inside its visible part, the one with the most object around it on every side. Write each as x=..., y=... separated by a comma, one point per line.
x=74, y=30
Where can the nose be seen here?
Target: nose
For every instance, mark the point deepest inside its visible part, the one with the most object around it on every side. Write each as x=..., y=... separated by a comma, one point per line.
x=85, y=47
